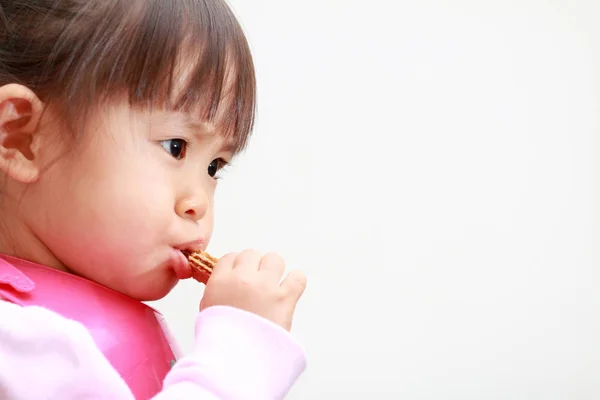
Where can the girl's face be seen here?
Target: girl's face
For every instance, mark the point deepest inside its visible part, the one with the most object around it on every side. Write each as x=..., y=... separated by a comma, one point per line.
x=134, y=189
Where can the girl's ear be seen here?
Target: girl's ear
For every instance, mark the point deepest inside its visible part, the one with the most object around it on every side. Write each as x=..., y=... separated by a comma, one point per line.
x=20, y=112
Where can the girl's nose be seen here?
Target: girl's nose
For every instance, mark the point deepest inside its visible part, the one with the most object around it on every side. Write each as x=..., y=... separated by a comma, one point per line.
x=192, y=207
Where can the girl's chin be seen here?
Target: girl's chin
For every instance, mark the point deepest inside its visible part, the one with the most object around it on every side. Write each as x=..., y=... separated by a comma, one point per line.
x=151, y=291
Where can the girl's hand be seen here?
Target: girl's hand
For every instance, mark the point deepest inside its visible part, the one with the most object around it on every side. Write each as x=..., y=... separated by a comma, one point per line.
x=251, y=282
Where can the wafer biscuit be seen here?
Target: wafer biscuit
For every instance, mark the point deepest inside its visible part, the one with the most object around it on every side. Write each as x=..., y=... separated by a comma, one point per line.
x=202, y=264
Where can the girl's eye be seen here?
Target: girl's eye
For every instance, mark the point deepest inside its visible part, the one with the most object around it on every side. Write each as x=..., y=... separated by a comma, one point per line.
x=176, y=147
x=215, y=166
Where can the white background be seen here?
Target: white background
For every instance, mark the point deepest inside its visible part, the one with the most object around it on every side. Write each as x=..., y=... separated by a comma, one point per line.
x=430, y=165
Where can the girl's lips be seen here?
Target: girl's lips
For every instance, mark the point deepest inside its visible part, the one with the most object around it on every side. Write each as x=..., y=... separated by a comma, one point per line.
x=180, y=265
x=196, y=245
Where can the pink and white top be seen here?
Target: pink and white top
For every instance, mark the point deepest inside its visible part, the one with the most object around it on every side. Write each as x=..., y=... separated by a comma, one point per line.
x=237, y=355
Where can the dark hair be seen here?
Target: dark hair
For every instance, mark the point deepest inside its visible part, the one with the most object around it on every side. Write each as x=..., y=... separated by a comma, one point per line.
x=186, y=55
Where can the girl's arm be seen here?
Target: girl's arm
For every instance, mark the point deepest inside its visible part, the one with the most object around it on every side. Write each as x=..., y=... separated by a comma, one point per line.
x=237, y=355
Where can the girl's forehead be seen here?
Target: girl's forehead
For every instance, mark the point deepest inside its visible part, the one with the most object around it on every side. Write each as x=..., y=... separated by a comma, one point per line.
x=218, y=103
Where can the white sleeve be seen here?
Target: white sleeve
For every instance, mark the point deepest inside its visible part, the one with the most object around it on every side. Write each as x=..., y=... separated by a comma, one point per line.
x=238, y=355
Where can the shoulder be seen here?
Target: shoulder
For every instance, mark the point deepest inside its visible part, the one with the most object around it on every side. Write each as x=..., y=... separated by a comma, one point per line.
x=58, y=352
x=25, y=323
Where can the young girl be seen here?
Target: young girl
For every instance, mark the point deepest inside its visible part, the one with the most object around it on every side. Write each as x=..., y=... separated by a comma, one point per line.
x=116, y=117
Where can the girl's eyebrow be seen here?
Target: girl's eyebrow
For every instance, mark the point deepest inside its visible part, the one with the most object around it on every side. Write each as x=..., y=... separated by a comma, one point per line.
x=203, y=130
x=229, y=147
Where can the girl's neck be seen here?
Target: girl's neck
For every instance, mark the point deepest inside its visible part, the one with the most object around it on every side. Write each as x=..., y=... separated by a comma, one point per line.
x=18, y=240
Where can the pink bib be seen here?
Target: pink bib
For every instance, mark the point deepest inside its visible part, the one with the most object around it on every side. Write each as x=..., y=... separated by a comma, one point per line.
x=131, y=335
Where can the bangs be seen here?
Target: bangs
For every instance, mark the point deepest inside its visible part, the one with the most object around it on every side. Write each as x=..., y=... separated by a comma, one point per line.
x=175, y=55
